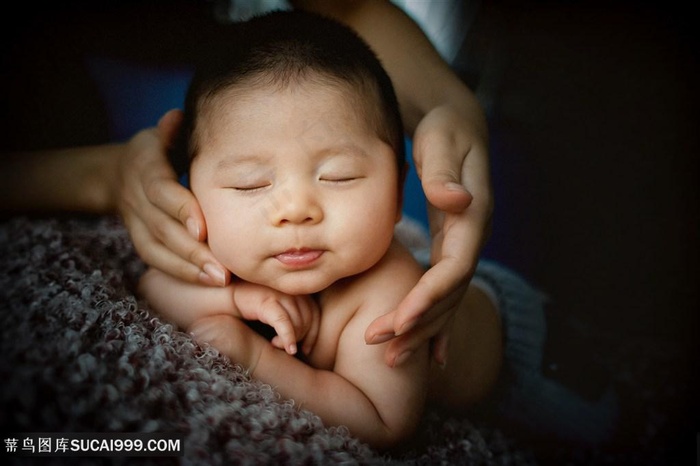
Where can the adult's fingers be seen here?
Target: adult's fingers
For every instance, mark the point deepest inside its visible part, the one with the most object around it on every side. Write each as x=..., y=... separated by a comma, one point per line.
x=154, y=253
x=434, y=286
x=169, y=125
x=441, y=172
x=440, y=345
x=162, y=187
x=434, y=325
x=168, y=214
x=402, y=347
x=441, y=144
x=168, y=195
x=185, y=242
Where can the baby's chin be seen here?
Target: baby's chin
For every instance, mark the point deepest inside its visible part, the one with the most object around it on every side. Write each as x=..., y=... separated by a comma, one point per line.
x=293, y=287
x=299, y=288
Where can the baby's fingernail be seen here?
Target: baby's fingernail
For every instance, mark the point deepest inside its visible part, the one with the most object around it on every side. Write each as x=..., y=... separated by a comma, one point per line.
x=193, y=228
x=402, y=358
x=381, y=338
x=216, y=274
x=292, y=349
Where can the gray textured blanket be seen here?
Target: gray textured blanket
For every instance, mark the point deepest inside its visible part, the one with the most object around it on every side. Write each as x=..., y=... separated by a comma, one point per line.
x=79, y=353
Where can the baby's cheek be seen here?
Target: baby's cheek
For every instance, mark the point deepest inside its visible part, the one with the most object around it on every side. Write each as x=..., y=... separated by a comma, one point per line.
x=239, y=251
x=226, y=244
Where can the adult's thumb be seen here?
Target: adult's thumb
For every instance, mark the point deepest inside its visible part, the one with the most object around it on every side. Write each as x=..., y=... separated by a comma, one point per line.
x=444, y=189
x=169, y=125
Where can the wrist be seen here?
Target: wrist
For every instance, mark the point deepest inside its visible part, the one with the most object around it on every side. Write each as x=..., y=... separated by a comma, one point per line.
x=237, y=288
x=102, y=181
x=79, y=179
x=256, y=347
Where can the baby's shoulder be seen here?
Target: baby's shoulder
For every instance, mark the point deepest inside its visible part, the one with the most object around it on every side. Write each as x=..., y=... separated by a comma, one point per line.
x=397, y=268
x=350, y=305
x=381, y=288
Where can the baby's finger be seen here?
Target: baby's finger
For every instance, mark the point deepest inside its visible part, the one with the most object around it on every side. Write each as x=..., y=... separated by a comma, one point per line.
x=274, y=314
x=295, y=313
x=277, y=342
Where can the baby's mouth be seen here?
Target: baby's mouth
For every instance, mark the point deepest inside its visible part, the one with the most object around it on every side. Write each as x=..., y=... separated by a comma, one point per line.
x=299, y=257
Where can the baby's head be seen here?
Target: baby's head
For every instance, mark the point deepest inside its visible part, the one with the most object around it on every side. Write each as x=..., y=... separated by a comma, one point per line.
x=282, y=49
x=296, y=152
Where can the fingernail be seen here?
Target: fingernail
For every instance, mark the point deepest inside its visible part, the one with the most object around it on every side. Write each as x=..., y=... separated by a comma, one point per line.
x=206, y=279
x=454, y=187
x=402, y=358
x=216, y=274
x=442, y=352
x=292, y=349
x=193, y=228
x=381, y=338
x=407, y=326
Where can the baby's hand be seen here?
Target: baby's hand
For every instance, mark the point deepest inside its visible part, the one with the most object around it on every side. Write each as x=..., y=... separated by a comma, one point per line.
x=294, y=318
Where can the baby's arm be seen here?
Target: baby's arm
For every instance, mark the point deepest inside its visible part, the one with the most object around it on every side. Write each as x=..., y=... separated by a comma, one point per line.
x=380, y=405
x=184, y=303
x=294, y=318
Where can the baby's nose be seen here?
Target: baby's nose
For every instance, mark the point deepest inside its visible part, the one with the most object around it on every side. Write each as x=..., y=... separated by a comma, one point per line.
x=297, y=207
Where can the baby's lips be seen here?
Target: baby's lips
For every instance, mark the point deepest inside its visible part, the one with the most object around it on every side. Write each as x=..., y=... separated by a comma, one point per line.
x=299, y=257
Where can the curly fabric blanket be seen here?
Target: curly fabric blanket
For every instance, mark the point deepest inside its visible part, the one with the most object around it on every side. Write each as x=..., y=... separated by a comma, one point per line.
x=80, y=353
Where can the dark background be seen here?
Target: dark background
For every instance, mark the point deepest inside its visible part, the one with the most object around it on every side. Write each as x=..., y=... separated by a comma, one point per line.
x=594, y=142
x=593, y=109
x=595, y=146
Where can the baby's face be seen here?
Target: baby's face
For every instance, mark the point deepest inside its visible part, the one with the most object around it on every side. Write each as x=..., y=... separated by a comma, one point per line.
x=297, y=189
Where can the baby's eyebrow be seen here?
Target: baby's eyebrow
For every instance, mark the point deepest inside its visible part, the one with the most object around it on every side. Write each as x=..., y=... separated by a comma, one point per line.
x=344, y=150
x=245, y=160
x=251, y=161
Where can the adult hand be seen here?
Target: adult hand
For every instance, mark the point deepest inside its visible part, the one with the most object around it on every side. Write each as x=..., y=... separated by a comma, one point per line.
x=451, y=158
x=164, y=219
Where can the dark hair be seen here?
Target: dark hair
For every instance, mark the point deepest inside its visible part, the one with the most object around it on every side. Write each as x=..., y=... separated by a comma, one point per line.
x=280, y=48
